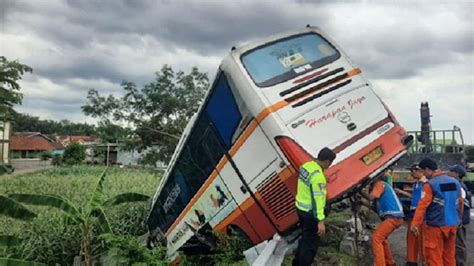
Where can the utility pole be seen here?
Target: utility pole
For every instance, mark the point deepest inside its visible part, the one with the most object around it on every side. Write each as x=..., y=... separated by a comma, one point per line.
x=108, y=151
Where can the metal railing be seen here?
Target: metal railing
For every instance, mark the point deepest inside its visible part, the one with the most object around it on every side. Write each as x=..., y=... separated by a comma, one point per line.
x=439, y=141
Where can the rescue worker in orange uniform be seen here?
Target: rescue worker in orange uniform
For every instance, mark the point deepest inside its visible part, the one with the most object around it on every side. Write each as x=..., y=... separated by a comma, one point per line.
x=390, y=211
x=414, y=242
x=440, y=208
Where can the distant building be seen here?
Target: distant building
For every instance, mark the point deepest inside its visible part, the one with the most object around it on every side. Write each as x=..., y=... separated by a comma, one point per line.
x=88, y=141
x=4, y=142
x=32, y=144
x=84, y=140
x=134, y=157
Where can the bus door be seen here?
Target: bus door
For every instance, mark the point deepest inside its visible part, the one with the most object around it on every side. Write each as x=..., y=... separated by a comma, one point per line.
x=268, y=177
x=250, y=163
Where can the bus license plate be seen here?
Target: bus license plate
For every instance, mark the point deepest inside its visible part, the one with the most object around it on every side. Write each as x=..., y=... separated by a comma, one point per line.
x=372, y=156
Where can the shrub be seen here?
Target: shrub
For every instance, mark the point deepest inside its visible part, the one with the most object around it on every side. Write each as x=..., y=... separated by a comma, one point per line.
x=74, y=153
x=57, y=159
x=228, y=251
x=127, y=250
x=230, y=248
x=6, y=169
x=45, y=155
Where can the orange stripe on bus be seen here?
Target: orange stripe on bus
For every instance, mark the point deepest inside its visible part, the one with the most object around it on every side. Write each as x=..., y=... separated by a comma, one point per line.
x=354, y=72
x=245, y=135
x=243, y=207
x=240, y=141
x=267, y=111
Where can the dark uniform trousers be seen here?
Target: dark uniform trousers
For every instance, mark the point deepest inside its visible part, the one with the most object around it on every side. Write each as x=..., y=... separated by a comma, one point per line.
x=461, y=248
x=309, y=241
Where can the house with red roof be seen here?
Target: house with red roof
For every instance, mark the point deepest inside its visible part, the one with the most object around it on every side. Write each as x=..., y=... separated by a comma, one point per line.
x=32, y=144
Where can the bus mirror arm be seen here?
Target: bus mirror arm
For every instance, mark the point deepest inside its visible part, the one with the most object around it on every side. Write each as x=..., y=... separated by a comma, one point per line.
x=243, y=189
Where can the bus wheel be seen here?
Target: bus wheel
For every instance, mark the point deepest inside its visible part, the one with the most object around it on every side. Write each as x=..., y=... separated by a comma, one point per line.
x=234, y=230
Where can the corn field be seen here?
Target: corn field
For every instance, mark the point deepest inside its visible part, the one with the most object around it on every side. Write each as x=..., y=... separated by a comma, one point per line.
x=50, y=238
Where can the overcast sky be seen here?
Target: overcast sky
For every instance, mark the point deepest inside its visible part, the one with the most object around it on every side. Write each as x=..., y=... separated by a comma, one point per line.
x=411, y=53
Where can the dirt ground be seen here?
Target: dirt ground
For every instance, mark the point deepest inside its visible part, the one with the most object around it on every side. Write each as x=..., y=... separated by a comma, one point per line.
x=18, y=172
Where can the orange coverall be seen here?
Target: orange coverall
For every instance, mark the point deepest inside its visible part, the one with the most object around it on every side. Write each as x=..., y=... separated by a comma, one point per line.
x=414, y=245
x=415, y=242
x=380, y=247
x=438, y=242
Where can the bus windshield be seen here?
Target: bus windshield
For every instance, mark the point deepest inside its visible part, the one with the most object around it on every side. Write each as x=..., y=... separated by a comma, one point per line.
x=285, y=59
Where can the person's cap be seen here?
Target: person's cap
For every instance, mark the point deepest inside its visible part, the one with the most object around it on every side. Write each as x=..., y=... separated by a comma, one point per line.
x=458, y=169
x=413, y=167
x=428, y=163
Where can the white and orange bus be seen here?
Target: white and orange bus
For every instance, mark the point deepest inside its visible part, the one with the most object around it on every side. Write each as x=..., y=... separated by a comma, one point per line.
x=273, y=105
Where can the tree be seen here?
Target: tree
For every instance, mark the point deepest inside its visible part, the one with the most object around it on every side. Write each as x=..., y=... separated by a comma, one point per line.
x=91, y=219
x=74, y=153
x=29, y=123
x=10, y=73
x=111, y=133
x=157, y=113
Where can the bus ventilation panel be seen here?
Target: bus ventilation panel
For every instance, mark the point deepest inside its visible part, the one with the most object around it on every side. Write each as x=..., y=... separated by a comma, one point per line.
x=277, y=197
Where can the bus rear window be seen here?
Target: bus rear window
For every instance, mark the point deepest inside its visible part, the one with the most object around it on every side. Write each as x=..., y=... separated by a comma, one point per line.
x=287, y=58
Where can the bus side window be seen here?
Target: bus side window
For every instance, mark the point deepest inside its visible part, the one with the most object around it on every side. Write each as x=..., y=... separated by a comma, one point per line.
x=223, y=111
x=167, y=206
x=184, y=189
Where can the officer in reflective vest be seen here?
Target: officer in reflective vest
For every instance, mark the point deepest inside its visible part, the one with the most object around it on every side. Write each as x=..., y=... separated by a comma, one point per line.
x=310, y=203
x=458, y=172
x=390, y=211
x=440, y=207
x=414, y=242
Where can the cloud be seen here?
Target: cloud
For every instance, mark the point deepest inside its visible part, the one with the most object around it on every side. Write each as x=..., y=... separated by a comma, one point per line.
x=412, y=52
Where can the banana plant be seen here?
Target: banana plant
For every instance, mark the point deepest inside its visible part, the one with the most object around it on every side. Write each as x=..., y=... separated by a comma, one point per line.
x=90, y=218
x=13, y=209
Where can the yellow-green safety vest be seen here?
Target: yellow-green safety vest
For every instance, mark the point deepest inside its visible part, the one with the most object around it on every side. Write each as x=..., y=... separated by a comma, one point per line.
x=311, y=193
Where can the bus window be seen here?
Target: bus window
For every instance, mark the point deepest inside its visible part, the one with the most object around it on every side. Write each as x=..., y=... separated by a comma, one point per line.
x=195, y=166
x=183, y=186
x=285, y=59
x=212, y=146
x=245, y=113
x=223, y=111
x=170, y=204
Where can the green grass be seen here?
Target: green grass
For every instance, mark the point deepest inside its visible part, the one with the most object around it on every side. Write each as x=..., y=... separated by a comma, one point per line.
x=49, y=238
